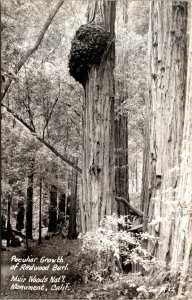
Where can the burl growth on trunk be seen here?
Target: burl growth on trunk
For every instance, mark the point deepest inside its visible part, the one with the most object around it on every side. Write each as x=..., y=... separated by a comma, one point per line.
x=87, y=48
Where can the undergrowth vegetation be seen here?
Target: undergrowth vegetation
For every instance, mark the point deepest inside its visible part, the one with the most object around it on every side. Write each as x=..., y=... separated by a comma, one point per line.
x=111, y=252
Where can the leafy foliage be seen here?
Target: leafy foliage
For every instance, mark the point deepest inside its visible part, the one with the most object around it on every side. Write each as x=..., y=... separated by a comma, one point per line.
x=109, y=243
x=43, y=96
x=108, y=240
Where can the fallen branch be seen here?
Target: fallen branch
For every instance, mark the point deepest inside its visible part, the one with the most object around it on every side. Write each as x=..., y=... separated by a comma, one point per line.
x=126, y=202
x=53, y=150
x=30, y=51
x=16, y=232
x=136, y=228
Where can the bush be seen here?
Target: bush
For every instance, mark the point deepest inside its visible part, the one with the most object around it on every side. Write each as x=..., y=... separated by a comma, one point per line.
x=103, y=248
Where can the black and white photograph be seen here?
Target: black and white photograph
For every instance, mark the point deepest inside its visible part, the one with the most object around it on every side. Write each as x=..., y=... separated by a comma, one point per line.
x=96, y=149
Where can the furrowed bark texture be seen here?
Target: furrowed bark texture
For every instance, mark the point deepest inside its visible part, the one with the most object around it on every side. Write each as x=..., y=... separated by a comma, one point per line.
x=182, y=251
x=166, y=104
x=98, y=140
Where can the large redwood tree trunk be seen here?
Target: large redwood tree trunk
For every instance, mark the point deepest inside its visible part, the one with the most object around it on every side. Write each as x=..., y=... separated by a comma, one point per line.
x=167, y=41
x=182, y=247
x=98, y=122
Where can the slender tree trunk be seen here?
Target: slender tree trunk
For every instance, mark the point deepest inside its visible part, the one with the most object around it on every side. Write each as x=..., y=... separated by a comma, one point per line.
x=45, y=203
x=9, y=221
x=20, y=216
x=10, y=182
x=66, y=199
x=53, y=210
x=146, y=190
x=98, y=123
x=121, y=138
x=29, y=208
x=121, y=162
x=40, y=209
x=72, y=234
x=167, y=100
x=136, y=174
x=182, y=247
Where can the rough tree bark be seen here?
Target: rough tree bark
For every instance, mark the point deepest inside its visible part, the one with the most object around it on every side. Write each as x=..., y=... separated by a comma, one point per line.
x=98, y=123
x=168, y=36
x=182, y=247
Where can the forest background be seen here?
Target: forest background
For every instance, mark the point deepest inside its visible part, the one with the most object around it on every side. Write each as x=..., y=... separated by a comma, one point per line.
x=46, y=116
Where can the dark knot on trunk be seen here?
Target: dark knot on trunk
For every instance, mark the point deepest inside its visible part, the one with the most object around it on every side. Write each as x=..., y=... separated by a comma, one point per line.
x=87, y=48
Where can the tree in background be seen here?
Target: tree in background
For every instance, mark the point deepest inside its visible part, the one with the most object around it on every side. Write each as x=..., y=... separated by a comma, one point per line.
x=39, y=105
x=72, y=233
x=20, y=216
x=53, y=109
x=130, y=91
x=53, y=210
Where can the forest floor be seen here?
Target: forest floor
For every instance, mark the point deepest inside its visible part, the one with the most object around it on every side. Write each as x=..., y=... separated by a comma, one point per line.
x=77, y=288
